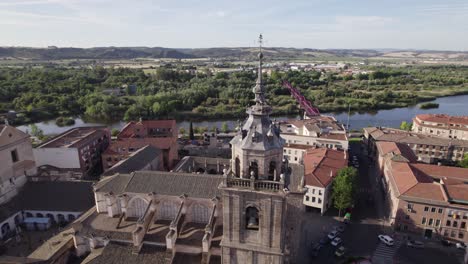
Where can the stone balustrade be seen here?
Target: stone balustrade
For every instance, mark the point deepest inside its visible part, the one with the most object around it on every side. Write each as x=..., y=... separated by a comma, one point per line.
x=261, y=185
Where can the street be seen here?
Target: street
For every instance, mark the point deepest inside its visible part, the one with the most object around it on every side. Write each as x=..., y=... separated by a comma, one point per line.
x=367, y=222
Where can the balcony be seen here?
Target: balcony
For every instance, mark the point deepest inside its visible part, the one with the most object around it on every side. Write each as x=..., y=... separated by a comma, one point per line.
x=259, y=185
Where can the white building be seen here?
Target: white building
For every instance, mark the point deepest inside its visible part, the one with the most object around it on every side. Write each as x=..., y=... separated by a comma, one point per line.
x=16, y=161
x=320, y=168
x=318, y=131
x=45, y=203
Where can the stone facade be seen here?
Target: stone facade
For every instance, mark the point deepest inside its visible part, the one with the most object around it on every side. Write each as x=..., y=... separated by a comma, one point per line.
x=16, y=161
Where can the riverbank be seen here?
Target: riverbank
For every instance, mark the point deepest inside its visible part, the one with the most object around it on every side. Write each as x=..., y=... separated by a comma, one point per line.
x=453, y=105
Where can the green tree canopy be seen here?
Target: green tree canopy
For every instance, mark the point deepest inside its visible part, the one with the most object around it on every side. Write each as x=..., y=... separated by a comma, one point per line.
x=343, y=188
x=464, y=162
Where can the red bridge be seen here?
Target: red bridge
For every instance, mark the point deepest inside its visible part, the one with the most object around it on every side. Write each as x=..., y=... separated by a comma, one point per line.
x=303, y=102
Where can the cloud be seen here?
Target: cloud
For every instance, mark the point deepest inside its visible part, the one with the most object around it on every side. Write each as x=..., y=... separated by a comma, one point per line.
x=220, y=13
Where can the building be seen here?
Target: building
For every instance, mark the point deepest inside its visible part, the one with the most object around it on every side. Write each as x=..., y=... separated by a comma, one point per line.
x=74, y=154
x=243, y=210
x=321, y=167
x=440, y=125
x=45, y=203
x=428, y=149
x=16, y=161
x=294, y=153
x=147, y=158
x=425, y=199
x=319, y=131
x=161, y=134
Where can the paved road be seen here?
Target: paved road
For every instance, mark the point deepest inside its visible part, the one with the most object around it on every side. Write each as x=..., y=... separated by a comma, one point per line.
x=368, y=221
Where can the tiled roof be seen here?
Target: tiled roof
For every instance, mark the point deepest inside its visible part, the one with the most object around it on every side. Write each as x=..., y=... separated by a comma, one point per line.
x=402, y=136
x=443, y=119
x=115, y=252
x=441, y=172
x=70, y=196
x=165, y=183
x=385, y=147
x=322, y=164
x=136, y=161
x=148, y=124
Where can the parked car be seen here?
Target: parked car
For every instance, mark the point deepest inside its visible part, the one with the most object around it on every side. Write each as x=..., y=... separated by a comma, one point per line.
x=340, y=251
x=336, y=241
x=332, y=234
x=316, y=249
x=324, y=240
x=339, y=228
x=446, y=242
x=386, y=239
x=415, y=244
x=460, y=245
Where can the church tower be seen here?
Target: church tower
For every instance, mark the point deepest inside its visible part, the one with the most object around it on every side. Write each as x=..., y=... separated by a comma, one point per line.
x=254, y=199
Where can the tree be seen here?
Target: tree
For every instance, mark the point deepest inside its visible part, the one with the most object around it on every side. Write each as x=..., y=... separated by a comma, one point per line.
x=191, y=135
x=224, y=127
x=36, y=131
x=182, y=131
x=343, y=188
x=115, y=132
x=464, y=162
x=406, y=126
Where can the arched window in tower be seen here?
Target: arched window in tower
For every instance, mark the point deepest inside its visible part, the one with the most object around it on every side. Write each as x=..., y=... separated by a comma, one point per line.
x=251, y=218
x=253, y=168
x=237, y=168
x=272, y=170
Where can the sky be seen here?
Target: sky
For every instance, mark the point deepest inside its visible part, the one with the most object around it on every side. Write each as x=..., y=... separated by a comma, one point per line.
x=324, y=24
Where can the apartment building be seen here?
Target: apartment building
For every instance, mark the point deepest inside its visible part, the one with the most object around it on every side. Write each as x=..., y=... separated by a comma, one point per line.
x=161, y=134
x=427, y=148
x=441, y=125
x=74, y=154
x=319, y=131
x=320, y=168
x=16, y=161
x=424, y=199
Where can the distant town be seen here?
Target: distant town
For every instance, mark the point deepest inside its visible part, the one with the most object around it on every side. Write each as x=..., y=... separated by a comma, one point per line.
x=287, y=182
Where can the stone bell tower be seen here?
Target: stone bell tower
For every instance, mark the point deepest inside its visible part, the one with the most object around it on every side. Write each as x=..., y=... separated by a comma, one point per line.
x=254, y=199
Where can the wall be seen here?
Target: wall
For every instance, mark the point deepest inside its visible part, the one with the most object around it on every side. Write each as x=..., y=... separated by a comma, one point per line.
x=314, y=141
x=11, y=221
x=58, y=157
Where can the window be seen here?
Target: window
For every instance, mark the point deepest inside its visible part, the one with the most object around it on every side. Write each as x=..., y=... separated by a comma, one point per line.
x=463, y=225
x=452, y=234
x=455, y=224
x=313, y=191
x=313, y=199
x=252, y=219
x=440, y=210
x=433, y=209
x=448, y=223
x=465, y=217
x=424, y=220
x=14, y=155
x=410, y=206
x=437, y=223
x=460, y=235
x=405, y=227
x=307, y=198
x=319, y=201
x=426, y=209
x=406, y=217
x=431, y=221
x=320, y=192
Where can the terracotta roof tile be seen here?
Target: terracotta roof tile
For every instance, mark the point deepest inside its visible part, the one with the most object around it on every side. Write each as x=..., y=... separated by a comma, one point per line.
x=322, y=164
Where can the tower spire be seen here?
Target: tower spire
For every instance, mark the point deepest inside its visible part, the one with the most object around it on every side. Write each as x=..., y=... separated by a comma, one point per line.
x=258, y=90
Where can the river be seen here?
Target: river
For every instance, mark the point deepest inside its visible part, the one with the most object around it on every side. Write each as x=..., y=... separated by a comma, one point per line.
x=451, y=105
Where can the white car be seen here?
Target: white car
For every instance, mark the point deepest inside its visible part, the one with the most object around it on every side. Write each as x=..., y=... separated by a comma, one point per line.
x=336, y=241
x=460, y=245
x=386, y=239
x=332, y=234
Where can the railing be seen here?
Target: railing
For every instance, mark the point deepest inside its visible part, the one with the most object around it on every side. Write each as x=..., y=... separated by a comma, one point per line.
x=269, y=185
x=239, y=182
x=262, y=185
